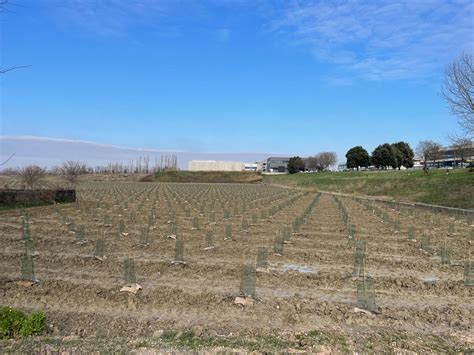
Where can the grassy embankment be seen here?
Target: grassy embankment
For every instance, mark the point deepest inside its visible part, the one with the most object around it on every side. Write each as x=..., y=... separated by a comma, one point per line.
x=205, y=177
x=453, y=189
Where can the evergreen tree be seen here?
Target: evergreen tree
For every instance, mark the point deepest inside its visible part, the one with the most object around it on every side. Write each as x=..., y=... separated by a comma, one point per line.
x=357, y=157
x=295, y=164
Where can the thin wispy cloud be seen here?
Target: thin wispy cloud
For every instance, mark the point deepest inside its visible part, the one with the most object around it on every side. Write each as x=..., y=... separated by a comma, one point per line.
x=79, y=141
x=118, y=18
x=114, y=18
x=383, y=39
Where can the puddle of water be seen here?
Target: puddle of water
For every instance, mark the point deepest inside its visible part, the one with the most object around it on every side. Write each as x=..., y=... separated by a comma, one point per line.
x=299, y=268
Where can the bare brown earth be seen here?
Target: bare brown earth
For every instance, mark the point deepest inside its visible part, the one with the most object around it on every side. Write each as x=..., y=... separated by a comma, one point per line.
x=305, y=302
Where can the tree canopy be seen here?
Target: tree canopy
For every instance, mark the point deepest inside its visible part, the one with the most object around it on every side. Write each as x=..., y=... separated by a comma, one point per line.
x=357, y=157
x=404, y=154
x=384, y=155
x=295, y=164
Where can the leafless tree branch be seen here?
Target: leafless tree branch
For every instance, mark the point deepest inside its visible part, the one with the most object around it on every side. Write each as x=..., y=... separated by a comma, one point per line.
x=72, y=170
x=7, y=69
x=8, y=159
x=458, y=90
x=461, y=146
x=428, y=150
x=31, y=174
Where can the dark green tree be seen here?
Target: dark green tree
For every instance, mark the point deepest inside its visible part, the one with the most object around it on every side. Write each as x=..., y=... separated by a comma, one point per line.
x=398, y=157
x=295, y=164
x=357, y=157
x=384, y=156
x=405, y=153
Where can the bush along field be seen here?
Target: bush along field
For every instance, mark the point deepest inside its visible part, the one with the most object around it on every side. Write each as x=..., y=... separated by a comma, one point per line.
x=137, y=266
x=452, y=188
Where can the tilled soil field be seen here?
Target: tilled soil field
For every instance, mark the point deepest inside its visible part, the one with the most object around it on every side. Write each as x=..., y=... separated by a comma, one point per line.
x=306, y=293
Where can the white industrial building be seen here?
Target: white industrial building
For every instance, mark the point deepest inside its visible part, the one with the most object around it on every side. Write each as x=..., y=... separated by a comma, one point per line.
x=216, y=165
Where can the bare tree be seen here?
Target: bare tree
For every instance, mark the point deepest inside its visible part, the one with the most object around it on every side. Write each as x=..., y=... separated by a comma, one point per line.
x=72, y=170
x=31, y=174
x=436, y=153
x=428, y=151
x=312, y=163
x=462, y=147
x=146, y=163
x=169, y=162
x=326, y=159
x=458, y=90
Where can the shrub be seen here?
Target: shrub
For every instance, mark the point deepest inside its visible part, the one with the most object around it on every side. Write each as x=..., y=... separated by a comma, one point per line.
x=30, y=175
x=14, y=323
x=11, y=322
x=33, y=325
x=169, y=335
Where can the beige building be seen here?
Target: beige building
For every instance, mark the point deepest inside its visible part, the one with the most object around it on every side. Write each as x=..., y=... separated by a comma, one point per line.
x=215, y=165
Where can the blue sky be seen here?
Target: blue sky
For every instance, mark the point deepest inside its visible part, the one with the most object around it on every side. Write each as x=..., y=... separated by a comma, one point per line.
x=289, y=77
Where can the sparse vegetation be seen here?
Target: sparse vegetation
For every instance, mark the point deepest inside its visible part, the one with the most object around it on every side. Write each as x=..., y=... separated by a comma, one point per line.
x=72, y=170
x=328, y=255
x=14, y=323
x=31, y=175
x=453, y=190
x=207, y=177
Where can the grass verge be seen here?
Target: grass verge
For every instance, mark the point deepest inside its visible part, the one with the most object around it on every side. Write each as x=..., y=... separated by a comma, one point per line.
x=452, y=188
